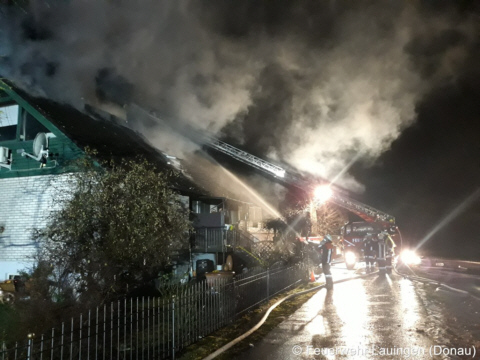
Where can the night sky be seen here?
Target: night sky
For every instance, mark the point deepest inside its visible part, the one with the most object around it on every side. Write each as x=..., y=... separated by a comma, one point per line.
x=392, y=87
x=432, y=168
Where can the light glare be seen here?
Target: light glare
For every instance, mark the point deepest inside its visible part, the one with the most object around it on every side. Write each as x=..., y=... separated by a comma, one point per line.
x=323, y=193
x=410, y=258
x=350, y=258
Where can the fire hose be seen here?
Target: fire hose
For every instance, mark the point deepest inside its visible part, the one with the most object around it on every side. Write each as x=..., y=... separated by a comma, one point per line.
x=270, y=309
x=434, y=282
x=318, y=288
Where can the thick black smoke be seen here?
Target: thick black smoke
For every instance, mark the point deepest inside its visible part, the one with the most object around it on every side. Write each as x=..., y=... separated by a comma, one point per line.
x=317, y=84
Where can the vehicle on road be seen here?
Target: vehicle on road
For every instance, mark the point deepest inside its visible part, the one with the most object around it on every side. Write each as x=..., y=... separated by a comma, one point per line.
x=354, y=235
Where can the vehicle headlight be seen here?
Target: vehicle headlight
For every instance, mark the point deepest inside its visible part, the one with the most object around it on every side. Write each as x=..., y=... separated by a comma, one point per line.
x=350, y=257
x=408, y=257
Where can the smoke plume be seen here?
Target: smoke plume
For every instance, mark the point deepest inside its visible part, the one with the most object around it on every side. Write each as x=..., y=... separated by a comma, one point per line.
x=317, y=85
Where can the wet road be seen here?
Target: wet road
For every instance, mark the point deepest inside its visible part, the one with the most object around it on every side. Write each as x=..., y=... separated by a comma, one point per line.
x=379, y=317
x=460, y=280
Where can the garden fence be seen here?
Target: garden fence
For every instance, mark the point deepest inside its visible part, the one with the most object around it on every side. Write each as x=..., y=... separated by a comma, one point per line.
x=156, y=328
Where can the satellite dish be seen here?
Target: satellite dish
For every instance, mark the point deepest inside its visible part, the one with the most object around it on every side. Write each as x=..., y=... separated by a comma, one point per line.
x=40, y=144
x=40, y=147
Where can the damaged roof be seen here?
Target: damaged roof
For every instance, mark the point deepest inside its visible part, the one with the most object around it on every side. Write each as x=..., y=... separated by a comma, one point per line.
x=109, y=137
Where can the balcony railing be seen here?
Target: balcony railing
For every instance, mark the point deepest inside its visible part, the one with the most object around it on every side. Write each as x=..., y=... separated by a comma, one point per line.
x=218, y=239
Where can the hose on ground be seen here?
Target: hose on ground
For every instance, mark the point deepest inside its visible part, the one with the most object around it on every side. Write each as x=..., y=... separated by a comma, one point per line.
x=264, y=318
x=434, y=282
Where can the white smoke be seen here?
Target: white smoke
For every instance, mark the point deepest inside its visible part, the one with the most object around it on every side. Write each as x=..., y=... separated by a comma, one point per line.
x=329, y=102
x=363, y=97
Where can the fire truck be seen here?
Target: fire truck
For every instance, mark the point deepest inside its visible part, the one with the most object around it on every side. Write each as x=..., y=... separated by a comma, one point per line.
x=353, y=238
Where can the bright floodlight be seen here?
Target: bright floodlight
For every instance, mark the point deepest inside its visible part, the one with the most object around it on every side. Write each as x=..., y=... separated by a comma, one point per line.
x=322, y=193
x=409, y=257
x=350, y=258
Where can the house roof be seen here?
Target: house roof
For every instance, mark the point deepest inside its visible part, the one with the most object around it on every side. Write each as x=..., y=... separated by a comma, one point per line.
x=109, y=137
x=112, y=139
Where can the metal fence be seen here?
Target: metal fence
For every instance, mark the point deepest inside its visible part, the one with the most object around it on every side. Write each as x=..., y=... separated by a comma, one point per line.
x=156, y=328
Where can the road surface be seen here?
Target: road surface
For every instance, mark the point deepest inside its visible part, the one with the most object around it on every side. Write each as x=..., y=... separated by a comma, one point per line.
x=458, y=279
x=378, y=317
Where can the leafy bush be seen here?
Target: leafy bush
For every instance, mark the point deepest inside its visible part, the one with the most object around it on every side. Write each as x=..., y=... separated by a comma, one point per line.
x=114, y=229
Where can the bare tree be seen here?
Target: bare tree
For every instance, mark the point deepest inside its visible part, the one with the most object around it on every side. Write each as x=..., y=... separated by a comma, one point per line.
x=330, y=219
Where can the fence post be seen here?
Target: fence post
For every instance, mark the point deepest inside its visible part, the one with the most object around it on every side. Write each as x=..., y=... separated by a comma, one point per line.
x=173, y=327
x=41, y=347
x=51, y=346
x=30, y=345
x=71, y=340
x=80, y=338
x=61, y=341
x=268, y=284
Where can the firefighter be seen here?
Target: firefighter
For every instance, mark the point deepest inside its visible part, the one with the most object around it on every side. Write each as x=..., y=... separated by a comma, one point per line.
x=389, y=250
x=369, y=251
x=306, y=226
x=381, y=254
x=326, y=246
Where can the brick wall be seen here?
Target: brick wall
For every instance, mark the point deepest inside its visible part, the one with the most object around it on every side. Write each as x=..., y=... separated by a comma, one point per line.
x=24, y=205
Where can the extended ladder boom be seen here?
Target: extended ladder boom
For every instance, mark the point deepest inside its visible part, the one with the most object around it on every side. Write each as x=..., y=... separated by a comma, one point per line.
x=245, y=157
x=366, y=212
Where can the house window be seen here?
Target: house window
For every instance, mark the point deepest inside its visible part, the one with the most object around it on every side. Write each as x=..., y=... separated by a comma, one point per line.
x=8, y=122
x=30, y=127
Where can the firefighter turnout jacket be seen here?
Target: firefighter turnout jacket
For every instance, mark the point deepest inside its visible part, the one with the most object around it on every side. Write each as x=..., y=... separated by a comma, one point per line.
x=327, y=249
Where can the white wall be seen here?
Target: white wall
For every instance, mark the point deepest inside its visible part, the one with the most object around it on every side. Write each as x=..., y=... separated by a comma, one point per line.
x=24, y=204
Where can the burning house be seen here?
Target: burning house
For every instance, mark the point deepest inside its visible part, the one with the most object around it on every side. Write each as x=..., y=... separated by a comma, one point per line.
x=39, y=143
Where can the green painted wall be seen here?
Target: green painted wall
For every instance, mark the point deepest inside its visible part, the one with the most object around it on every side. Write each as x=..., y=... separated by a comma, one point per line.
x=62, y=151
